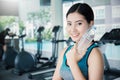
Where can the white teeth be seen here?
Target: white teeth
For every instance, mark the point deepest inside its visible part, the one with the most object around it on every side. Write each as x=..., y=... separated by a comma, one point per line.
x=74, y=35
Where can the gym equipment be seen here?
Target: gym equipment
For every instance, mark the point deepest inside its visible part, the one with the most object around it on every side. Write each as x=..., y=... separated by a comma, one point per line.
x=38, y=56
x=50, y=64
x=52, y=60
x=49, y=67
x=44, y=74
x=112, y=37
x=108, y=71
x=10, y=54
x=25, y=61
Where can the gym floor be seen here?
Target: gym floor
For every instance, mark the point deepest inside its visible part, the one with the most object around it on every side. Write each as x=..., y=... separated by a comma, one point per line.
x=9, y=75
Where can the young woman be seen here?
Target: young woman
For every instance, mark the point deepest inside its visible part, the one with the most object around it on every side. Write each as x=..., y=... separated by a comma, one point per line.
x=72, y=65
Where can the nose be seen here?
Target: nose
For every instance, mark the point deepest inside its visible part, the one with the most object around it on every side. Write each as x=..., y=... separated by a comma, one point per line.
x=73, y=28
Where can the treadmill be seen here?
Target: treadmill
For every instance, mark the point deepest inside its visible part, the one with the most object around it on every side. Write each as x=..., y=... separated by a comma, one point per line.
x=111, y=42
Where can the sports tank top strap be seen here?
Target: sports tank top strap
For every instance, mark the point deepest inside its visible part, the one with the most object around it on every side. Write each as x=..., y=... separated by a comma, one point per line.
x=69, y=47
x=90, y=48
x=64, y=68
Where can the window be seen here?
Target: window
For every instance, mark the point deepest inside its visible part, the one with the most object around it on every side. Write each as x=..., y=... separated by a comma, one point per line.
x=116, y=11
x=99, y=12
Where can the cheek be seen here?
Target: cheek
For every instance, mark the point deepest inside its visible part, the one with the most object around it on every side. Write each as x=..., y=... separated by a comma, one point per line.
x=68, y=30
x=83, y=30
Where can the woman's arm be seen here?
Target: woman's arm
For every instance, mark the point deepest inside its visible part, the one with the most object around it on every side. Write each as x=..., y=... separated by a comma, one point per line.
x=56, y=75
x=76, y=72
x=96, y=65
x=72, y=59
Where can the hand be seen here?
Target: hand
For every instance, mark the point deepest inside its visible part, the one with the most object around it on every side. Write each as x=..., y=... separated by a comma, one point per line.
x=71, y=56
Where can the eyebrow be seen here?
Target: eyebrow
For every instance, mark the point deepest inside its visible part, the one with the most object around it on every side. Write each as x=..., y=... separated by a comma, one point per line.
x=77, y=21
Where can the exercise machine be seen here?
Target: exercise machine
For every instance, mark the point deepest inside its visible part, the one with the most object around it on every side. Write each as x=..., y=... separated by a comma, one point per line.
x=25, y=61
x=111, y=37
x=10, y=54
x=38, y=56
x=52, y=60
x=111, y=40
x=48, y=68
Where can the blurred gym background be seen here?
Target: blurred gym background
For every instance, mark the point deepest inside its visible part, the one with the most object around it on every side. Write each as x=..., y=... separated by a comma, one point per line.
x=27, y=16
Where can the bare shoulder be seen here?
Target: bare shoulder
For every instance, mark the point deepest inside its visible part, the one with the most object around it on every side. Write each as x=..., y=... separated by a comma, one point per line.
x=96, y=65
x=95, y=55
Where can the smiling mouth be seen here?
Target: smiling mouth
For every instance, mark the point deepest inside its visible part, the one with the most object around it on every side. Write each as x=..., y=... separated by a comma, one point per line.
x=75, y=35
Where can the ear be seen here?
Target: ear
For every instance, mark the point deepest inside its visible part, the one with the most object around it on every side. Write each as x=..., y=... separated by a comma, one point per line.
x=91, y=23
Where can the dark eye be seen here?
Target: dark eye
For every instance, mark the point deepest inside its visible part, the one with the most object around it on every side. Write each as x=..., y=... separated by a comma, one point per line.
x=69, y=24
x=79, y=23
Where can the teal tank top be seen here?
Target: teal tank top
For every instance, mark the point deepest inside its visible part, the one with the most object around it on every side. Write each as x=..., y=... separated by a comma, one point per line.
x=65, y=72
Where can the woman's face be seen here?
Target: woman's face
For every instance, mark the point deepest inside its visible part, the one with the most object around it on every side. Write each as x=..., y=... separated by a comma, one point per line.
x=76, y=26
